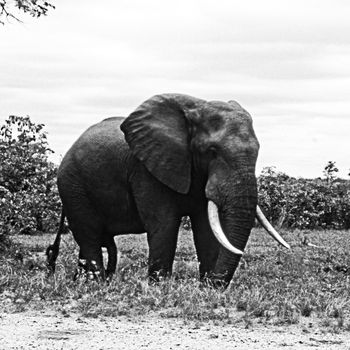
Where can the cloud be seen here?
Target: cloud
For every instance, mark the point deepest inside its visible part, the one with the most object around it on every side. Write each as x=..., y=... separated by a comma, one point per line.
x=287, y=63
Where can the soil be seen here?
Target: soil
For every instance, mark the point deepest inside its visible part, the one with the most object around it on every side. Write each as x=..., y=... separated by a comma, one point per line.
x=44, y=330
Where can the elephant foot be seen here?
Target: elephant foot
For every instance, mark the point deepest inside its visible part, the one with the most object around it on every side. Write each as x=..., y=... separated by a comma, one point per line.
x=155, y=277
x=109, y=275
x=88, y=270
x=214, y=281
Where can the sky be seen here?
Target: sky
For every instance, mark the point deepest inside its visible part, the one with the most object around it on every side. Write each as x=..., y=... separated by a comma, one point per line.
x=286, y=62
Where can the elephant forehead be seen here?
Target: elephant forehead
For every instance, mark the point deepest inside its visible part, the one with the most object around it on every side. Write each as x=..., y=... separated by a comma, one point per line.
x=221, y=116
x=226, y=111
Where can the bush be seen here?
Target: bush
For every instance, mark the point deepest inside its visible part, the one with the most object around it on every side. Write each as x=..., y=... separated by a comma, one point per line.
x=305, y=203
x=29, y=198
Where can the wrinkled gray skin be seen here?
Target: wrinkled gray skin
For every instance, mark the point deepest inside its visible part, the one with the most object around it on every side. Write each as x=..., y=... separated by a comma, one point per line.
x=164, y=161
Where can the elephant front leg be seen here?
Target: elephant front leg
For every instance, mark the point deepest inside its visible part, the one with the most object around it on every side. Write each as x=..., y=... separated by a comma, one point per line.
x=162, y=245
x=157, y=207
x=207, y=246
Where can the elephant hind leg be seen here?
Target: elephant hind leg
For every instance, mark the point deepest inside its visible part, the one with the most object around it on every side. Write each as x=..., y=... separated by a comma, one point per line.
x=87, y=228
x=90, y=268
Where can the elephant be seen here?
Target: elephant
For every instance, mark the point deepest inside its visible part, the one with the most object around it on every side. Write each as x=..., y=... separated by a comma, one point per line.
x=175, y=155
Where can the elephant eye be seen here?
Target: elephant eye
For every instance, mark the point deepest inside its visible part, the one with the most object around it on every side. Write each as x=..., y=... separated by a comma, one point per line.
x=212, y=151
x=216, y=122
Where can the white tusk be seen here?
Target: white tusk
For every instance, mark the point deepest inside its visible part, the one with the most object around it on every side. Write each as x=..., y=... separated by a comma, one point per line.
x=217, y=230
x=269, y=228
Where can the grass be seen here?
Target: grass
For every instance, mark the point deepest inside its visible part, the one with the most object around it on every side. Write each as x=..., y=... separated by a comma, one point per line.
x=272, y=285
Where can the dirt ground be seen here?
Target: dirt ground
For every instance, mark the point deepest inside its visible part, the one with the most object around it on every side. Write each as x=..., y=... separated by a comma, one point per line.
x=45, y=330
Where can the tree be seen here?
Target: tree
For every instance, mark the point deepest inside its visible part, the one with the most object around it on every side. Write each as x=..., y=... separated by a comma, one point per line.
x=35, y=8
x=330, y=171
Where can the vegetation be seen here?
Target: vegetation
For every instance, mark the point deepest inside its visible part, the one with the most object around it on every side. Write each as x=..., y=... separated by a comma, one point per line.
x=35, y=8
x=307, y=285
x=305, y=203
x=29, y=200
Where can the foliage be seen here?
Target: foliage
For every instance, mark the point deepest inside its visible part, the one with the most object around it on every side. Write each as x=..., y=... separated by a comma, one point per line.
x=330, y=171
x=35, y=8
x=29, y=200
x=305, y=203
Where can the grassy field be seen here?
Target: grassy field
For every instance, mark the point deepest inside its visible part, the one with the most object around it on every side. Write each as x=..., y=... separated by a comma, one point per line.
x=309, y=285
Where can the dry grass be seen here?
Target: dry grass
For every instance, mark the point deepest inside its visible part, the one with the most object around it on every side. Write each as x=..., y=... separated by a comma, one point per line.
x=272, y=285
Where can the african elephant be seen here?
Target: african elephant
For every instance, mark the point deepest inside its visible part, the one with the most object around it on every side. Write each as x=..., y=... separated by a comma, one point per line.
x=175, y=155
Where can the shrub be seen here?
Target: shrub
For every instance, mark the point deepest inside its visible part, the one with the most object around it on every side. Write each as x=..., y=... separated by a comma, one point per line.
x=29, y=198
x=305, y=203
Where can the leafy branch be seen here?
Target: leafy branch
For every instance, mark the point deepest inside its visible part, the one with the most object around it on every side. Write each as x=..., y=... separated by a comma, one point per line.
x=35, y=8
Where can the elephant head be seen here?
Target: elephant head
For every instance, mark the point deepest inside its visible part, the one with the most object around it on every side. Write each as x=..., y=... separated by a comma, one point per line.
x=191, y=144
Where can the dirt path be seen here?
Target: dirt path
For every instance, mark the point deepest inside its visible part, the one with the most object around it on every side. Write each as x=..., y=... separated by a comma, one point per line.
x=47, y=331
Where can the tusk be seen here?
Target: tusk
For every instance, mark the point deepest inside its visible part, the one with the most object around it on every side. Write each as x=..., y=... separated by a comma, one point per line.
x=269, y=228
x=217, y=230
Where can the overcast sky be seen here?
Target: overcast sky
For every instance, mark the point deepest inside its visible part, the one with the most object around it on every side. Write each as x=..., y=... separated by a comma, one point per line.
x=286, y=62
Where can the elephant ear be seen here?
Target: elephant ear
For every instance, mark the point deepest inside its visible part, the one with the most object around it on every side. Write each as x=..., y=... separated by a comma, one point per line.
x=158, y=135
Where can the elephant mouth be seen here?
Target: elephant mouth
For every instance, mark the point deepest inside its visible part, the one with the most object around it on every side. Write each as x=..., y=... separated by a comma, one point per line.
x=214, y=220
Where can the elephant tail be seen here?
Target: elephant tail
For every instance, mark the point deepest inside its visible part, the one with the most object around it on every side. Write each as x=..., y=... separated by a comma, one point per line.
x=53, y=249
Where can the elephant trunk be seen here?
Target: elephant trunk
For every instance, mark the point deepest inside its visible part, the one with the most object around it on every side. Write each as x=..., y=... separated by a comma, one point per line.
x=236, y=214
